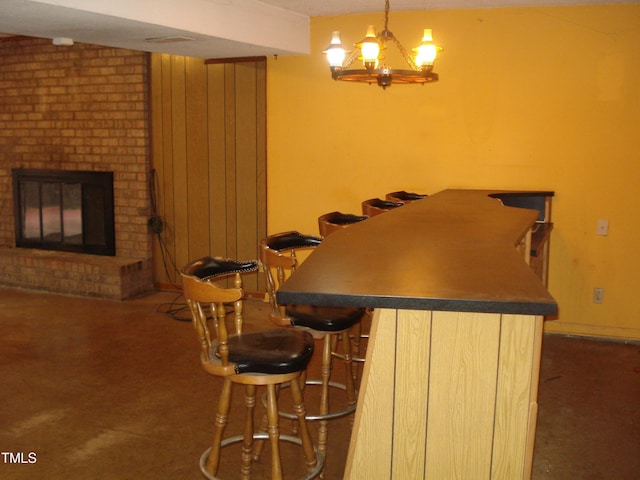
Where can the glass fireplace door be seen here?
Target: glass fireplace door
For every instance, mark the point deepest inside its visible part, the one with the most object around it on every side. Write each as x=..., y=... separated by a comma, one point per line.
x=52, y=212
x=65, y=210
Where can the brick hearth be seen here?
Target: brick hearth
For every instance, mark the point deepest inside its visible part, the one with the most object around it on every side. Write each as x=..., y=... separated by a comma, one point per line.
x=117, y=278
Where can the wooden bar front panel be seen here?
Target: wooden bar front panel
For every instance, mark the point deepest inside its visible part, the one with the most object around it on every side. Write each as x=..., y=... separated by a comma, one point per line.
x=447, y=395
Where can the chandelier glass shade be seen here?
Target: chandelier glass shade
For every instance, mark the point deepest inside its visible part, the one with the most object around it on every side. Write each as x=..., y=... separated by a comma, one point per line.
x=419, y=63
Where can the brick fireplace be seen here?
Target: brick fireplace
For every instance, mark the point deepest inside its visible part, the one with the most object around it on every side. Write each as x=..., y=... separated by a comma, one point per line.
x=78, y=108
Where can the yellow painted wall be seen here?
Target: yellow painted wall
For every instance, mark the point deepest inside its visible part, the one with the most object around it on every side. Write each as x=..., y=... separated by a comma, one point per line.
x=528, y=98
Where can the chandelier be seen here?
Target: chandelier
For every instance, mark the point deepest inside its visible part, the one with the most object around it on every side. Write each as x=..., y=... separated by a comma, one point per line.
x=368, y=51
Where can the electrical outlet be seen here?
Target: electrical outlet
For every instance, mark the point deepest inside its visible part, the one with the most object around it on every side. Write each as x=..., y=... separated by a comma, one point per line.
x=598, y=295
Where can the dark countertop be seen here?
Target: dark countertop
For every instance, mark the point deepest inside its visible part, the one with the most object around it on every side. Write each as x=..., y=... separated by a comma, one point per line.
x=452, y=251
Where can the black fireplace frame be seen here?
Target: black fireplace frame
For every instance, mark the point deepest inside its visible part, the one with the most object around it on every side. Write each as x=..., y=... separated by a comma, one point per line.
x=97, y=202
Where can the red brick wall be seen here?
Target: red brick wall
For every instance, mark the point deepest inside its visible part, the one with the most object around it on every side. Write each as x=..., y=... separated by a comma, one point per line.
x=82, y=107
x=77, y=108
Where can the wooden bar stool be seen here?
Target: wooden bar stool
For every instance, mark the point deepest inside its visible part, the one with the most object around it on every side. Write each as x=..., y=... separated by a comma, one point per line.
x=330, y=222
x=404, y=197
x=268, y=358
x=376, y=206
x=279, y=256
x=327, y=224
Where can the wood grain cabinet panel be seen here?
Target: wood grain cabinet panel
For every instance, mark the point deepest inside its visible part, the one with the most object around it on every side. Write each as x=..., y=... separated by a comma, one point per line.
x=447, y=395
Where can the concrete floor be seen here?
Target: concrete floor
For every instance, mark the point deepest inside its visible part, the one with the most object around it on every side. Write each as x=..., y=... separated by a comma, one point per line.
x=98, y=389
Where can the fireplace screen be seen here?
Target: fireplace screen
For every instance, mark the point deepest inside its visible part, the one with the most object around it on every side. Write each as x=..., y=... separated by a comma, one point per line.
x=64, y=210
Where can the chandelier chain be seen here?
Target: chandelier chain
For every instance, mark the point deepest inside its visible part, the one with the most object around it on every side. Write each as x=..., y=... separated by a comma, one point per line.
x=386, y=15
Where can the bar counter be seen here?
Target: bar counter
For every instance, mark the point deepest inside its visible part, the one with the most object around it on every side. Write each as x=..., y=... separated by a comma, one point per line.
x=449, y=387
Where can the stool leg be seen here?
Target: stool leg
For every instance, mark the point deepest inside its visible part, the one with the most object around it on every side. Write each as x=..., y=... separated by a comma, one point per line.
x=325, y=373
x=305, y=436
x=220, y=422
x=334, y=342
x=274, y=434
x=302, y=383
x=348, y=364
x=247, y=444
x=259, y=445
x=357, y=336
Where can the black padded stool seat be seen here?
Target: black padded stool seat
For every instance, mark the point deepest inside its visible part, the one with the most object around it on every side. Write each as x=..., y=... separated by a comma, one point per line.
x=340, y=218
x=206, y=268
x=292, y=239
x=272, y=352
x=333, y=221
x=375, y=206
x=404, y=197
x=268, y=358
x=325, y=319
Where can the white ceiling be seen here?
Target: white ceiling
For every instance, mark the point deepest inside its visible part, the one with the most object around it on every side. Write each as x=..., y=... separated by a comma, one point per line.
x=206, y=28
x=314, y=8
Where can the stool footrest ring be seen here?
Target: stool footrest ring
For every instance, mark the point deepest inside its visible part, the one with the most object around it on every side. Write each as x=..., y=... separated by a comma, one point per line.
x=262, y=436
x=313, y=418
x=353, y=359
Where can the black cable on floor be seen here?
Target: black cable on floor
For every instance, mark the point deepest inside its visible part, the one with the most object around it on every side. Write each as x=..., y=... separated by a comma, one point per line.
x=176, y=310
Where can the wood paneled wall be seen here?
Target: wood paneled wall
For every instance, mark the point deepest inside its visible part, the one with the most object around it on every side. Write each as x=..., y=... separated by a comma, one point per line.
x=208, y=124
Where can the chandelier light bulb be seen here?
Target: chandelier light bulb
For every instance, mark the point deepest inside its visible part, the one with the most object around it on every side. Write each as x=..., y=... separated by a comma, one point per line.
x=426, y=52
x=335, y=51
x=370, y=48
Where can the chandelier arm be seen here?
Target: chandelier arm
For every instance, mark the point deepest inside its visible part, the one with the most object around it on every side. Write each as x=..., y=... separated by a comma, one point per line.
x=353, y=56
x=407, y=58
